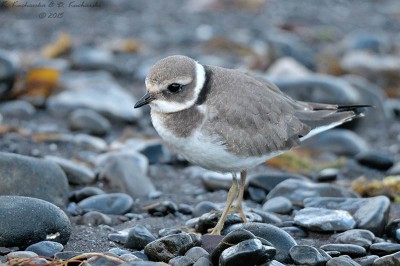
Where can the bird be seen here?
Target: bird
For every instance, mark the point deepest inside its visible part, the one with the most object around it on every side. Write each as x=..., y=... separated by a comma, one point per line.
x=229, y=121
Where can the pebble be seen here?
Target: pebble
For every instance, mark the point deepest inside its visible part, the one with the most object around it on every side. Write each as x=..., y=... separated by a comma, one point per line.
x=94, y=218
x=366, y=41
x=248, y=252
x=339, y=141
x=85, y=192
x=8, y=69
x=203, y=262
x=185, y=209
x=17, y=109
x=209, y=220
x=77, y=174
x=169, y=231
x=113, y=203
x=91, y=58
x=268, y=182
x=286, y=67
x=375, y=159
x=181, y=261
x=295, y=231
x=395, y=169
x=256, y=194
x=297, y=190
x=204, y=207
x=51, y=223
x=155, y=151
x=384, y=248
x=126, y=172
x=279, y=205
x=346, y=249
x=163, y=208
x=367, y=260
x=213, y=181
x=168, y=247
x=308, y=255
x=229, y=240
x=195, y=253
x=268, y=217
x=281, y=240
x=320, y=89
x=327, y=175
x=140, y=255
x=119, y=251
x=66, y=255
x=358, y=237
x=342, y=261
x=95, y=90
x=369, y=213
x=138, y=237
x=388, y=260
x=324, y=220
x=393, y=229
x=89, y=121
x=130, y=257
x=31, y=177
x=45, y=248
x=21, y=255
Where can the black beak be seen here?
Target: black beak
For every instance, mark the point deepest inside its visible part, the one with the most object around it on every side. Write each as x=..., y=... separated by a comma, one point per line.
x=146, y=99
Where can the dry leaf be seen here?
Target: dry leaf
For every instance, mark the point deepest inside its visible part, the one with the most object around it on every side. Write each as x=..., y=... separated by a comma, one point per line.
x=60, y=46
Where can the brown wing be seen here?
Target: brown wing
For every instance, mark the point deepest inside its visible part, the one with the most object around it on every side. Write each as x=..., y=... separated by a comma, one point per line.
x=253, y=118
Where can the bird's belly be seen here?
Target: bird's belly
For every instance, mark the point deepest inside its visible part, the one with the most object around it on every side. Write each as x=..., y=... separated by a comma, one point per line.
x=205, y=151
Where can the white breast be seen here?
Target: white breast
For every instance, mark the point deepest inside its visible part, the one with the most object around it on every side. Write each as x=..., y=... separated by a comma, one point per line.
x=204, y=150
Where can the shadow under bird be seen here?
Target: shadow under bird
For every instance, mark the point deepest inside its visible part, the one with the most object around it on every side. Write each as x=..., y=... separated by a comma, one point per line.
x=228, y=121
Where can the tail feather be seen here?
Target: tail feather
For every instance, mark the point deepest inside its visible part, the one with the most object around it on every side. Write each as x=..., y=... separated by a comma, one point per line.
x=322, y=117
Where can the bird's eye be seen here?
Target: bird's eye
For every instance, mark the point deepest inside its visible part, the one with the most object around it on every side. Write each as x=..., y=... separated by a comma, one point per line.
x=174, y=88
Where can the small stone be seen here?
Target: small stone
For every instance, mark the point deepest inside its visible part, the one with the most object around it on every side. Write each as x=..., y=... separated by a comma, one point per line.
x=94, y=218
x=126, y=172
x=203, y=261
x=393, y=229
x=31, y=177
x=8, y=70
x=130, y=257
x=267, y=182
x=21, y=255
x=195, y=253
x=114, y=203
x=295, y=231
x=268, y=217
x=66, y=255
x=163, y=208
x=388, y=260
x=166, y=248
x=384, y=248
x=367, y=260
x=119, y=251
x=327, y=175
x=281, y=240
x=279, y=205
x=216, y=181
x=169, y=231
x=155, y=151
x=342, y=261
x=324, y=220
x=346, y=249
x=89, y=121
x=138, y=237
x=181, y=261
x=339, y=141
x=17, y=109
x=231, y=239
x=358, y=237
x=50, y=222
x=95, y=90
x=247, y=252
x=287, y=67
x=297, y=190
x=204, y=207
x=374, y=159
x=256, y=194
x=308, y=255
x=85, y=192
x=185, y=209
x=45, y=248
x=140, y=255
x=370, y=213
x=77, y=174
x=209, y=220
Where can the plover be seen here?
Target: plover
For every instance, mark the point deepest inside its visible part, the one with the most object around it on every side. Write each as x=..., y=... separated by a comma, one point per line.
x=228, y=121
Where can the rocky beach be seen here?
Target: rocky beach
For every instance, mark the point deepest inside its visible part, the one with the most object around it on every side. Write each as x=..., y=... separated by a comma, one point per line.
x=86, y=180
